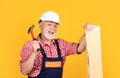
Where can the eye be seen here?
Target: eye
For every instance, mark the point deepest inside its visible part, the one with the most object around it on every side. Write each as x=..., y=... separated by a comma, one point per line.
x=49, y=24
x=55, y=26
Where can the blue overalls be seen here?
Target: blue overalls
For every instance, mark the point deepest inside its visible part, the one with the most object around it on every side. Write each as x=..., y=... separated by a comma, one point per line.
x=50, y=72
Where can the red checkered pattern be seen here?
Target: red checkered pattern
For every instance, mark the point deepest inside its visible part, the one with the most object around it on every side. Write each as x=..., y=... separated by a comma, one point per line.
x=67, y=48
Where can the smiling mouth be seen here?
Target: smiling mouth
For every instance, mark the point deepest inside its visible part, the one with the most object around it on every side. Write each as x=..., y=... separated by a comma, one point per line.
x=51, y=32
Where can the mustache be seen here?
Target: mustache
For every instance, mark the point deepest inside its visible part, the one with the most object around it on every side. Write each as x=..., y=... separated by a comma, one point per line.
x=51, y=31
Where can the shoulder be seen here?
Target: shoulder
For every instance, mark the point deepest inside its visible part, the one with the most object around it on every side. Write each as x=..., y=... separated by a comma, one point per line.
x=28, y=43
x=65, y=43
x=26, y=49
x=60, y=40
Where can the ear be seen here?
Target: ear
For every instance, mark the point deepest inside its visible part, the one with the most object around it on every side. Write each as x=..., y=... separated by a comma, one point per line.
x=39, y=24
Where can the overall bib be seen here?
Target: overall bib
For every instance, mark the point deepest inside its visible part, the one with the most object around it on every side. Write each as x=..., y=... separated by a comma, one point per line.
x=51, y=67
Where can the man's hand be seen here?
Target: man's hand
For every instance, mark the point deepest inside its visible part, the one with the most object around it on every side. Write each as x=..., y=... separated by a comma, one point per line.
x=82, y=44
x=89, y=26
x=35, y=46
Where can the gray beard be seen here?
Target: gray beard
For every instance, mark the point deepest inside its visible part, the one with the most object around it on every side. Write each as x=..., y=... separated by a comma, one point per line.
x=49, y=37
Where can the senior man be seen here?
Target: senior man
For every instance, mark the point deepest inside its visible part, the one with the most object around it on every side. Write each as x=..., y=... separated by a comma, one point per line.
x=48, y=61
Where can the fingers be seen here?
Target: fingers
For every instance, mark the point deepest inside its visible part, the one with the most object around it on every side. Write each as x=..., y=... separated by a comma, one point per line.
x=35, y=46
x=89, y=26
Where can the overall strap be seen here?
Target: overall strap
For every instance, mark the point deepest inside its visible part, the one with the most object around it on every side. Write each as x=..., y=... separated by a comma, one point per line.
x=42, y=50
x=58, y=48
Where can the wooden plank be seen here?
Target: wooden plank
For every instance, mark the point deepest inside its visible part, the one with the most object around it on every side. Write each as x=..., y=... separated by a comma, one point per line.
x=93, y=47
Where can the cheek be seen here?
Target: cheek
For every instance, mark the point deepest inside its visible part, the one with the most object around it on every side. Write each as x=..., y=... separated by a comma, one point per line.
x=56, y=30
x=44, y=30
x=42, y=27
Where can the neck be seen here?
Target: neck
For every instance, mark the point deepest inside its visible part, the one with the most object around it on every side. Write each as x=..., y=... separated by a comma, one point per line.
x=47, y=41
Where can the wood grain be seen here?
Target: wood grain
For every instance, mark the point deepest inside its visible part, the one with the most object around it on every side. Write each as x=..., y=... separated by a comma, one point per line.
x=93, y=47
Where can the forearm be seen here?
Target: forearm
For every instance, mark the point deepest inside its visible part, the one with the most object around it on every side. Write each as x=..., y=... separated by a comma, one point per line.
x=82, y=44
x=28, y=64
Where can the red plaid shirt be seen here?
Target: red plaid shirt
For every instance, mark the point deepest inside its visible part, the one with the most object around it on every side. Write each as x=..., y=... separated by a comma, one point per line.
x=66, y=48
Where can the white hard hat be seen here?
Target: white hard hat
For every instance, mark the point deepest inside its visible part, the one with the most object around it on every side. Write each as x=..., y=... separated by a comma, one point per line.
x=50, y=16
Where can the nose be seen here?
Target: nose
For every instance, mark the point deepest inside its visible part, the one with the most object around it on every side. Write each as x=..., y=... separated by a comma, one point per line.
x=54, y=26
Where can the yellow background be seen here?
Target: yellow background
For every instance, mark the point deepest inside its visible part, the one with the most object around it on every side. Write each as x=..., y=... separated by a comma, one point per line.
x=17, y=15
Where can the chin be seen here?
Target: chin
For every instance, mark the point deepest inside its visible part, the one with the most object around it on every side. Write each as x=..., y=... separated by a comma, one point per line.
x=49, y=38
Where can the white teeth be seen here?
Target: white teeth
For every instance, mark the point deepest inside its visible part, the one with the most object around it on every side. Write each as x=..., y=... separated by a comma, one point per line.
x=51, y=31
